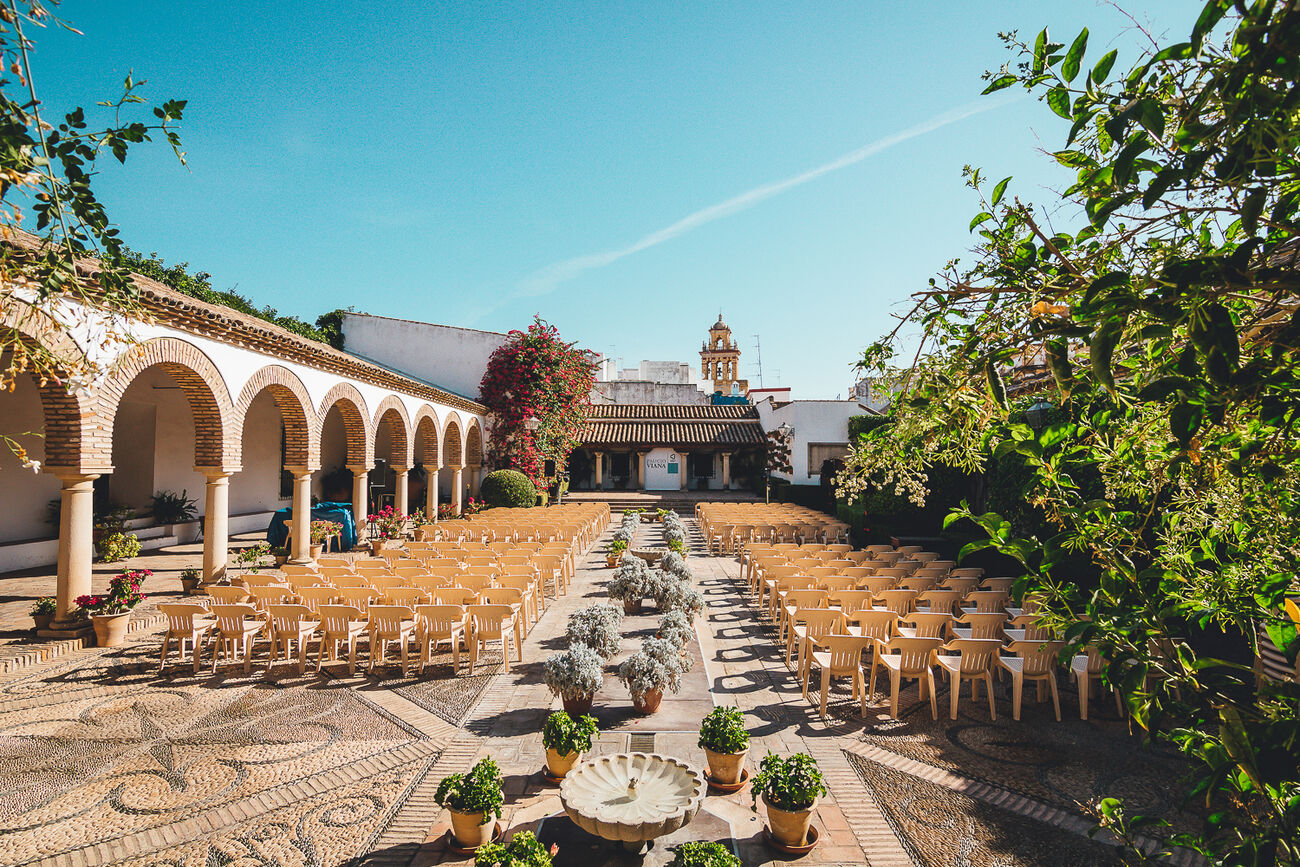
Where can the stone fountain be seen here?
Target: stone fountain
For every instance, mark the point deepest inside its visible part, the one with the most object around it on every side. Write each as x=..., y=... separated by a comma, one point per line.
x=632, y=798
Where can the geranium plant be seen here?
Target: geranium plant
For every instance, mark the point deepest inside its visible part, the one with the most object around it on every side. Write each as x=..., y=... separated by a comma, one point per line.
x=723, y=731
x=477, y=791
x=44, y=607
x=323, y=531
x=387, y=523
x=537, y=388
x=123, y=594
x=700, y=854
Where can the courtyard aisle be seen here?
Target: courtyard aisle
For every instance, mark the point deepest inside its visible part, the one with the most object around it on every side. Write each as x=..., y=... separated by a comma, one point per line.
x=104, y=761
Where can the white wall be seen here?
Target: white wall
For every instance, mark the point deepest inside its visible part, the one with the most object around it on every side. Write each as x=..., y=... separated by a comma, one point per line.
x=153, y=443
x=814, y=421
x=441, y=355
x=257, y=487
x=641, y=391
x=23, y=493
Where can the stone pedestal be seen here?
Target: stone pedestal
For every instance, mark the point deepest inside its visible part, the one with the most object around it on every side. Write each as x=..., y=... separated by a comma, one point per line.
x=300, y=538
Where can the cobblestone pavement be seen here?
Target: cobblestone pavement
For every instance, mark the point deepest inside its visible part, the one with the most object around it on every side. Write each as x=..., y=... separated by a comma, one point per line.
x=103, y=760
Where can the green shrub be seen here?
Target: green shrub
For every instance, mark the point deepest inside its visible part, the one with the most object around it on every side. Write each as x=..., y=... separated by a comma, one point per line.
x=523, y=850
x=509, y=489
x=117, y=546
x=566, y=735
x=696, y=854
x=478, y=791
x=723, y=731
x=788, y=784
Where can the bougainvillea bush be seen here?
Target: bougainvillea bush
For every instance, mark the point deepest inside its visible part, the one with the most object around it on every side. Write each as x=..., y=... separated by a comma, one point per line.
x=535, y=374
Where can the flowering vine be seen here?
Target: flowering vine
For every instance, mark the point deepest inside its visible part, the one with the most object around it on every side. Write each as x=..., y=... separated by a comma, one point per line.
x=535, y=374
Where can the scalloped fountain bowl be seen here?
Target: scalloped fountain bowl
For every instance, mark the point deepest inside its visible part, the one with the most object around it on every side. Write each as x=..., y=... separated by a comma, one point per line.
x=632, y=797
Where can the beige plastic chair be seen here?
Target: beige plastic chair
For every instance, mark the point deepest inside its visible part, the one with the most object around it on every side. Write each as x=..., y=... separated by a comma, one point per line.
x=237, y=629
x=920, y=585
x=975, y=625
x=967, y=572
x=879, y=549
x=408, y=596
x=877, y=585
x=962, y=585
x=491, y=623
x=849, y=601
x=816, y=622
x=913, y=661
x=358, y=597
x=944, y=601
x=909, y=549
x=1035, y=661
x=340, y=625
x=898, y=601
x=356, y=581
x=1086, y=667
x=974, y=659
x=998, y=584
x=926, y=624
x=515, y=599
x=297, y=570
x=389, y=623
x=222, y=594
x=334, y=563
x=290, y=624
x=461, y=596
x=435, y=624
x=315, y=597
x=264, y=596
x=794, y=600
x=842, y=657
x=186, y=621
x=986, y=601
x=530, y=589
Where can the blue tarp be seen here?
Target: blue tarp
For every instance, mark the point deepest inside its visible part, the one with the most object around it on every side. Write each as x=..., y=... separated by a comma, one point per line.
x=340, y=513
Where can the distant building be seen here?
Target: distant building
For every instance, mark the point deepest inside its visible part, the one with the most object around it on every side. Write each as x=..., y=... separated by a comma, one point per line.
x=720, y=362
x=454, y=358
x=651, y=382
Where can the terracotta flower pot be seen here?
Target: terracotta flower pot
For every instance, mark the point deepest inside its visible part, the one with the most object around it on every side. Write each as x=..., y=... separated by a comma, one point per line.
x=632, y=606
x=377, y=545
x=470, y=830
x=576, y=707
x=316, y=551
x=611, y=560
x=789, y=826
x=110, y=629
x=43, y=621
x=725, y=768
x=559, y=765
x=648, y=703
x=189, y=585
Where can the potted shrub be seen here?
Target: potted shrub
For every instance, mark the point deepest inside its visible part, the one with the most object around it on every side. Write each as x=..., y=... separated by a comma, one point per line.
x=190, y=579
x=474, y=800
x=322, y=532
x=574, y=675
x=598, y=627
x=616, y=549
x=566, y=740
x=657, y=666
x=695, y=854
x=385, y=526
x=250, y=558
x=677, y=546
x=674, y=563
x=790, y=789
x=676, y=626
x=117, y=546
x=673, y=593
x=726, y=743
x=169, y=507
x=111, y=613
x=630, y=585
x=279, y=555
x=43, y=610
x=523, y=850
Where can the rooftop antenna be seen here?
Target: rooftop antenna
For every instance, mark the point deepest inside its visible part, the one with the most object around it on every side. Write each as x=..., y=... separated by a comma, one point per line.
x=758, y=351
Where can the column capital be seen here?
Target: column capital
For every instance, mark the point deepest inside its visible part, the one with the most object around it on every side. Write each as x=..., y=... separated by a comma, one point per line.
x=74, y=474
x=399, y=469
x=214, y=474
x=358, y=468
x=300, y=471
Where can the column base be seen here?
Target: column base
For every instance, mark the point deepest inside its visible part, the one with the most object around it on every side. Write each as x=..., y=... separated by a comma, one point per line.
x=68, y=630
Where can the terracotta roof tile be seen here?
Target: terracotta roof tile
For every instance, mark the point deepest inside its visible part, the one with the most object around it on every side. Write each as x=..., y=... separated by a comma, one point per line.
x=670, y=426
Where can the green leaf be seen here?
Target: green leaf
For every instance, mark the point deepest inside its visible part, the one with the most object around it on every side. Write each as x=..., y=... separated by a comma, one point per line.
x=1102, y=348
x=997, y=387
x=1210, y=16
x=981, y=217
x=999, y=83
x=999, y=190
x=1160, y=184
x=1250, y=209
x=1103, y=67
x=1058, y=98
x=1184, y=420
x=1073, y=57
x=1106, y=281
x=1040, y=51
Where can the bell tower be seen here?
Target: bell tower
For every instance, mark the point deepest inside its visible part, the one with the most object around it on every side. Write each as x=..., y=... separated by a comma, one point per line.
x=720, y=360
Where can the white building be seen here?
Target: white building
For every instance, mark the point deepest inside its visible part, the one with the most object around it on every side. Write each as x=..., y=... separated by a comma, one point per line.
x=820, y=432
x=455, y=358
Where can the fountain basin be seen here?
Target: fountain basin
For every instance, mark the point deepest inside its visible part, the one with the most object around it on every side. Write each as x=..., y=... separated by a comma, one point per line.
x=632, y=797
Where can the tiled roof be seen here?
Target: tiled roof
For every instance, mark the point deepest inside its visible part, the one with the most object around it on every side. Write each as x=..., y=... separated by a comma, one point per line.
x=652, y=426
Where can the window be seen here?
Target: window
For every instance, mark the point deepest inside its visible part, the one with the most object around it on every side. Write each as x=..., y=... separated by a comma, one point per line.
x=819, y=453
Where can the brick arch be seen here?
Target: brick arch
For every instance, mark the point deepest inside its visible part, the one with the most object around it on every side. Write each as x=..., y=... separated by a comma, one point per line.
x=452, y=454
x=215, y=434
x=427, y=440
x=356, y=422
x=474, y=443
x=72, y=438
x=391, y=413
x=301, y=426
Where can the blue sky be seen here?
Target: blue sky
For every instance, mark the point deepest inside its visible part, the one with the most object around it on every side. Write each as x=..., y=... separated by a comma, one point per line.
x=453, y=161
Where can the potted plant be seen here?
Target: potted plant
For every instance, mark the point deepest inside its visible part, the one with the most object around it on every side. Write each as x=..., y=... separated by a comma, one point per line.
x=657, y=666
x=473, y=799
x=190, y=579
x=169, y=507
x=111, y=612
x=696, y=854
x=43, y=610
x=597, y=626
x=574, y=675
x=250, y=558
x=677, y=546
x=566, y=740
x=616, y=549
x=117, y=546
x=674, y=562
x=630, y=585
x=523, y=850
x=790, y=789
x=322, y=532
x=726, y=743
x=674, y=593
x=676, y=626
x=385, y=526
x=279, y=555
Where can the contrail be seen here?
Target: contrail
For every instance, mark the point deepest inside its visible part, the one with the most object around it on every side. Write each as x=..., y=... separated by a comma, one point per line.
x=548, y=279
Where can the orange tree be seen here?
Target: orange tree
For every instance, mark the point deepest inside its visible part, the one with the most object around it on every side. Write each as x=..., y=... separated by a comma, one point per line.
x=536, y=375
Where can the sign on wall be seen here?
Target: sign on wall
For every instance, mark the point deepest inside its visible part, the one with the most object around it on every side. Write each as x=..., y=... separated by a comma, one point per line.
x=663, y=470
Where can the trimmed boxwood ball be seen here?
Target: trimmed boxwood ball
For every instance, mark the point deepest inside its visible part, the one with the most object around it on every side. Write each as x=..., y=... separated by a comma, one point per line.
x=508, y=488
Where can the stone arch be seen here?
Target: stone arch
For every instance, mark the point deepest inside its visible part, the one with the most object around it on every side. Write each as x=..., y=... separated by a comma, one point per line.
x=427, y=445
x=474, y=443
x=215, y=434
x=356, y=422
x=391, y=413
x=72, y=438
x=452, y=453
x=301, y=426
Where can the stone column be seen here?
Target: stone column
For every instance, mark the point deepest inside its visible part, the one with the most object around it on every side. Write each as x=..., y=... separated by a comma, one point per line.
x=360, y=494
x=475, y=478
x=431, y=495
x=640, y=471
x=681, y=469
x=401, y=489
x=216, y=523
x=600, y=470
x=726, y=471
x=76, y=548
x=458, y=491
x=300, y=539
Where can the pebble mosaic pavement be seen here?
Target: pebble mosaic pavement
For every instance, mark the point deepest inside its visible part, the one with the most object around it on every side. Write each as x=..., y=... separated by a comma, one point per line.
x=104, y=761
